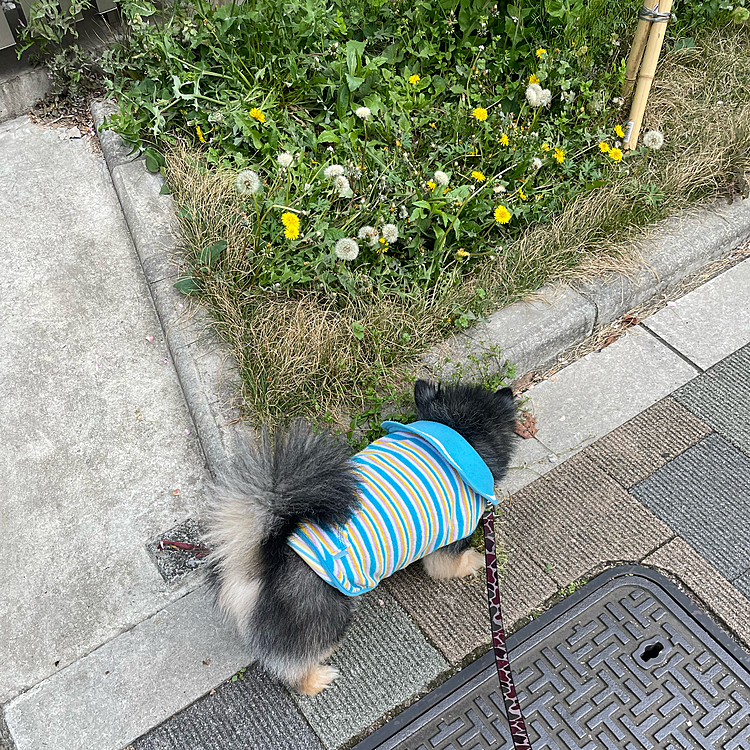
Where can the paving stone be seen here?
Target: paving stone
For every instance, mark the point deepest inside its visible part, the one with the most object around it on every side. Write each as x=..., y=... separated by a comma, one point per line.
x=252, y=713
x=704, y=495
x=711, y=322
x=743, y=584
x=453, y=613
x=576, y=518
x=721, y=398
x=130, y=684
x=645, y=443
x=721, y=597
x=530, y=460
x=383, y=661
x=600, y=392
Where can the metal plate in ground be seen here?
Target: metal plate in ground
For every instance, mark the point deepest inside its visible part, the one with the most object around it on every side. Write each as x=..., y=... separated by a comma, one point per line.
x=626, y=662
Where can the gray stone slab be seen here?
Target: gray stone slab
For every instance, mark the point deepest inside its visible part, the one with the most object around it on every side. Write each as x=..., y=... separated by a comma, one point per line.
x=252, y=713
x=598, y=393
x=721, y=398
x=743, y=584
x=645, y=443
x=383, y=660
x=704, y=495
x=528, y=334
x=530, y=460
x=671, y=251
x=721, y=598
x=131, y=684
x=711, y=322
x=577, y=518
x=95, y=432
x=454, y=614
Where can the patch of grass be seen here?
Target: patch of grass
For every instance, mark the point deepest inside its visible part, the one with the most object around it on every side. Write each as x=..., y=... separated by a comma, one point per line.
x=347, y=359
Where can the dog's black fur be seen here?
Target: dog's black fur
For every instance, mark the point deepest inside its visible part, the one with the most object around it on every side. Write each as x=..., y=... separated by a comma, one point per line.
x=290, y=618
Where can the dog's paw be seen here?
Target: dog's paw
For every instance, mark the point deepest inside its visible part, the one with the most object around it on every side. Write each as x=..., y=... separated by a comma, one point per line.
x=442, y=564
x=469, y=564
x=318, y=678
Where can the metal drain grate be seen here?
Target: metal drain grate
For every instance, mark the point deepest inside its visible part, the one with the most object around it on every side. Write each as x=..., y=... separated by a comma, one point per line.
x=626, y=662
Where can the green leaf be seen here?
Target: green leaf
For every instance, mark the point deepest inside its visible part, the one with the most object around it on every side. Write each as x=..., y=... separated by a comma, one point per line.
x=358, y=331
x=187, y=285
x=354, y=82
x=686, y=43
x=151, y=163
x=210, y=254
x=354, y=52
x=165, y=189
x=328, y=136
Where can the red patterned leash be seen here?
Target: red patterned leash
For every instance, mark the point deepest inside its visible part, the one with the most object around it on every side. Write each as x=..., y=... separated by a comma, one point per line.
x=512, y=707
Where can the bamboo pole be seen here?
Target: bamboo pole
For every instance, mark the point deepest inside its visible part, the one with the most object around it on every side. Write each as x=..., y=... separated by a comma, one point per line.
x=646, y=77
x=636, y=52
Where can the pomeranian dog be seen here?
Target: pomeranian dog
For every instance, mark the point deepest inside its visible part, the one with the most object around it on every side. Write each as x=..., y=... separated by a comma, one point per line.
x=291, y=520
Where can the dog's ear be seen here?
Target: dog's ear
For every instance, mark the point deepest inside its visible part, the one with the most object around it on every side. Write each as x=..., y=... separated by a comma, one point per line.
x=505, y=396
x=425, y=393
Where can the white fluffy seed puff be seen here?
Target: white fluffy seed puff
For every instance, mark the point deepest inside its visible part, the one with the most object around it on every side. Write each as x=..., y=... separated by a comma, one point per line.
x=653, y=139
x=347, y=249
x=370, y=234
x=247, y=182
x=363, y=113
x=536, y=96
x=333, y=171
x=342, y=186
x=390, y=233
x=441, y=178
x=285, y=160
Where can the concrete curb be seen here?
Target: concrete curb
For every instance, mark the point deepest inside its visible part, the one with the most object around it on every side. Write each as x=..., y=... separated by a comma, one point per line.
x=206, y=373
x=532, y=333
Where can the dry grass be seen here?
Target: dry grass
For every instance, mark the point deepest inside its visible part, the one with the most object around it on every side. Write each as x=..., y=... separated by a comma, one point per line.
x=330, y=358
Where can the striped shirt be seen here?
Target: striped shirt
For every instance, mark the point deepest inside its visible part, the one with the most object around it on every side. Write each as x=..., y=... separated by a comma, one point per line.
x=412, y=502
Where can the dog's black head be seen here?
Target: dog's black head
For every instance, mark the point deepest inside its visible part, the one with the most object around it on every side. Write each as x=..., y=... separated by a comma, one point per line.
x=485, y=418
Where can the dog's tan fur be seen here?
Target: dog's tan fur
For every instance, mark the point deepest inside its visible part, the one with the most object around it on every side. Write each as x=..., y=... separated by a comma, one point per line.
x=441, y=564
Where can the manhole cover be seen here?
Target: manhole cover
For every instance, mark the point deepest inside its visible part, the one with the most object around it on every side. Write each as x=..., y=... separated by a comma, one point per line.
x=626, y=662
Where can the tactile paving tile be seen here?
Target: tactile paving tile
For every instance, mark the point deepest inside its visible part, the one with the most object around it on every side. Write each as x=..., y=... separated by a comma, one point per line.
x=625, y=665
x=645, y=443
x=704, y=495
x=252, y=713
x=721, y=398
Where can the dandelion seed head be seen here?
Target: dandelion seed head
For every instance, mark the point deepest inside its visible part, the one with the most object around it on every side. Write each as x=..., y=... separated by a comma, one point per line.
x=335, y=170
x=363, y=113
x=390, y=233
x=536, y=162
x=653, y=139
x=534, y=94
x=247, y=182
x=368, y=233
x=285, y=160
x=441, y=177
x=347, y=249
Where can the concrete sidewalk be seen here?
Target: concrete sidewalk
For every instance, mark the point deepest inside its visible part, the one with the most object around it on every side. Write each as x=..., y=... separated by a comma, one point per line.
x=638, y=447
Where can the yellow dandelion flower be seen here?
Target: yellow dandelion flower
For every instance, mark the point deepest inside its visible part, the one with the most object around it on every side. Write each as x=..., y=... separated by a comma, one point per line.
x=256, y=114
x=504, y=140
x=545, y=147
x=200, y=133
x=521, y=194
x=432, y=185
x=604, y=147
x=478, y=176
x=619, y=132
x=533, y=78
x=462, y=253
x=615, y=154
x=291, y=225
x=541, y=51
x=559, y=155
x=446, y=190
x=433, y=126
x=414, y=80
x=480, y=113
x=502, y=215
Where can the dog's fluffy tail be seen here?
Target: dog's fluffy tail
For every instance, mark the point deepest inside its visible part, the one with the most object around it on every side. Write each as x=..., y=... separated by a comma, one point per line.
x=276, y=484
